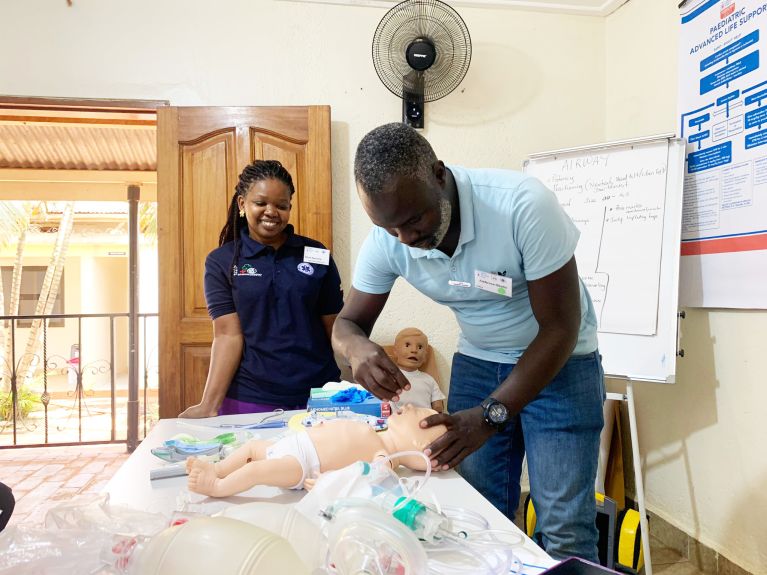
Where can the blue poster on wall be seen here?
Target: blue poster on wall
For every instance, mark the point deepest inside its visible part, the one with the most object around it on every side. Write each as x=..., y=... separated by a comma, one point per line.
x=723, y=119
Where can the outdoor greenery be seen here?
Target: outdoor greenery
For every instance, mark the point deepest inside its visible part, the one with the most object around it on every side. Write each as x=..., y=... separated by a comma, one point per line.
x=27, y=401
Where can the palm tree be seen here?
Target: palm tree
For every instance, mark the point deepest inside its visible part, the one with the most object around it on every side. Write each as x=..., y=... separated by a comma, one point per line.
x=14, y=222
x=147, y=221
x=49, y=290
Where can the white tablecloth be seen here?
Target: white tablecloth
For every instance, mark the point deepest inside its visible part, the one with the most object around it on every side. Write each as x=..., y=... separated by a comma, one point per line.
x=132, y=487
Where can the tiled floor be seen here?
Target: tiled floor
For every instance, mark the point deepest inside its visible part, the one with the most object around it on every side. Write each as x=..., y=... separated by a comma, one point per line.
x=665, y=561
x=669, y=562
x=42, y=477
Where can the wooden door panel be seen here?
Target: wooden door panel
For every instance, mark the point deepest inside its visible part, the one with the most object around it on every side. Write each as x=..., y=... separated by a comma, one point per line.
x=290, y=121
x=205, y=193
x=196, y=360
x=196, y=330
x=317, y=217
x=201, y=152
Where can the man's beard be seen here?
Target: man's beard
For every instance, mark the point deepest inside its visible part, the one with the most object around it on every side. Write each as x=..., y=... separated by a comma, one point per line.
x=445, y=213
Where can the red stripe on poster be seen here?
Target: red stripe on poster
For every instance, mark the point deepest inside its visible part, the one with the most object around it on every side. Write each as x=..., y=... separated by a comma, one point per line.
x=724, y=245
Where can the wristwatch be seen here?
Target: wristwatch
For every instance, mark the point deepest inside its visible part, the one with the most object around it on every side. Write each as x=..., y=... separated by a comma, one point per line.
x=495, y=413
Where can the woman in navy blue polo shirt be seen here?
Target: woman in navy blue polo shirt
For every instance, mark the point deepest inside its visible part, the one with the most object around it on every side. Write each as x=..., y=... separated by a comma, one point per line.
x=273, y=296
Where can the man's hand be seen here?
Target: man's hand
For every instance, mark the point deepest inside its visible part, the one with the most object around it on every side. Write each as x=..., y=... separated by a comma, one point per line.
x=374, y=371
x=198, y=411
x=466, y=432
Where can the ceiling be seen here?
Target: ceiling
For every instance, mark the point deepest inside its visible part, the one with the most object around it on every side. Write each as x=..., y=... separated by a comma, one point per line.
x=585, y=7
x=46, y=139
x=76, y=147
x=582, y=7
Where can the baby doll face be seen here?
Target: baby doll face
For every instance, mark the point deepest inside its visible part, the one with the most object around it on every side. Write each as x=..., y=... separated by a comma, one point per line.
x=410, y=351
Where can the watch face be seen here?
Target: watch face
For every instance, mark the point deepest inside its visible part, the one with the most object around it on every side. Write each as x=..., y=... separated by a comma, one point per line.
x=497, y=413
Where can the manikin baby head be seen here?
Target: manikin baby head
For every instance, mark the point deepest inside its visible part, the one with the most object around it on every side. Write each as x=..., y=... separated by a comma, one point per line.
x=410, y=348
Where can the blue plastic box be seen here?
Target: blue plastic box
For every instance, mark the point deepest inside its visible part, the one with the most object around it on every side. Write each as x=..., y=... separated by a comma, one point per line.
x=319, y=400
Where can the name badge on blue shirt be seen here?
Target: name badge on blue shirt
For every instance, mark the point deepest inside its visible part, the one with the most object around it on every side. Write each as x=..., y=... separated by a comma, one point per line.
x=492, y=283
x=316, y=255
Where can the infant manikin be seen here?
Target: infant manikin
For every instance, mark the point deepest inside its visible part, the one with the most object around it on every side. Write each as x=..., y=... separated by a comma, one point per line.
x=292, y=461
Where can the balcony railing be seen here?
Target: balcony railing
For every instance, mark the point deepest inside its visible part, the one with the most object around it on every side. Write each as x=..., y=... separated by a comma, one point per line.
x=74, y=388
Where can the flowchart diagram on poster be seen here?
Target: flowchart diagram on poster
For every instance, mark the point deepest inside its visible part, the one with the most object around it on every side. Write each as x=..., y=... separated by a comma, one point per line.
x=727, y=130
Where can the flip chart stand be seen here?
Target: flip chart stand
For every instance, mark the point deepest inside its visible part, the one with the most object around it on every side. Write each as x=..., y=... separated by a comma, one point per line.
x=628, y=397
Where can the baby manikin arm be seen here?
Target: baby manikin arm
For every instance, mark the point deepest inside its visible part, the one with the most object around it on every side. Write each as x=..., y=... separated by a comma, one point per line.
x=311, y=481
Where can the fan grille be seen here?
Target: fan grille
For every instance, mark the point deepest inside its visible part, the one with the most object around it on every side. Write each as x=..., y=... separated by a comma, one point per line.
x=430, y=19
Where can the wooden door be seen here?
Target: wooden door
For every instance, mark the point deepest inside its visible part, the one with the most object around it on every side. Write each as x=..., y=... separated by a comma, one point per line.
x=200, y=153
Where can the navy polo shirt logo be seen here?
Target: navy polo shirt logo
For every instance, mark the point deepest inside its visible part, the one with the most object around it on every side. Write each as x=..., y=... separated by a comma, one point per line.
x=246, y=270
x=305, y=268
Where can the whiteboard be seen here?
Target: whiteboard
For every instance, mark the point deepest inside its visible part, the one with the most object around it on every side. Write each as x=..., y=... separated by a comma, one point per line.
x=626, y=200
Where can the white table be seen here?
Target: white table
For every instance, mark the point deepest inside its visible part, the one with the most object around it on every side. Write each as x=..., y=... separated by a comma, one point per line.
x=132, y=487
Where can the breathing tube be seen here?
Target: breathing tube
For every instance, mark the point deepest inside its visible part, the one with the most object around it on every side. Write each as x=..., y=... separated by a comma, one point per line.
x=477, y=552
x=456, y=541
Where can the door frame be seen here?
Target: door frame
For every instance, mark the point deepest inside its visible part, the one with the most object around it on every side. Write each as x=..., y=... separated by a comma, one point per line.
x=66, y=110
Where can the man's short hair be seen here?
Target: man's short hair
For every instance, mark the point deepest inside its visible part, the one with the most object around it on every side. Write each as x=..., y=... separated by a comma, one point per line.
x=392, y=150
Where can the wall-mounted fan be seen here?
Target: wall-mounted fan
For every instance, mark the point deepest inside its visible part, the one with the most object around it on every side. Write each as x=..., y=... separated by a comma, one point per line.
x=421, y=52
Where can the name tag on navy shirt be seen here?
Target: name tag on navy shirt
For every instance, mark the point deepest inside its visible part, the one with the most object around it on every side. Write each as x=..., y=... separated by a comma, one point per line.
x=316, y=255
x=493, y=283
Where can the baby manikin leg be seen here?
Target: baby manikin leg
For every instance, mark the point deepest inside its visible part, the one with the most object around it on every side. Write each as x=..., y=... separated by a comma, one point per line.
x=284, y=472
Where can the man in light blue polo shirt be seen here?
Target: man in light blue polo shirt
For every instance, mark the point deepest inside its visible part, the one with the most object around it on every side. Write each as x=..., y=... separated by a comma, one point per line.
x=496, y=247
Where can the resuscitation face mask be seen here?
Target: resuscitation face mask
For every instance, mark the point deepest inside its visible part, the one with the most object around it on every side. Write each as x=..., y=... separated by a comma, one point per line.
x=380, y=486
x=372, y=524
x=360, y=480
x=355, y=507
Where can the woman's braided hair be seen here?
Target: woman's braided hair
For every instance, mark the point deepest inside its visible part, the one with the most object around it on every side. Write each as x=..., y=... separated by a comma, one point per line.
x=255, y=172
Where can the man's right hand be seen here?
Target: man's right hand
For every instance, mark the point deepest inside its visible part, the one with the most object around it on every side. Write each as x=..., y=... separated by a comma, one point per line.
x=198, y=411
x=376, y=372
x=371, y=367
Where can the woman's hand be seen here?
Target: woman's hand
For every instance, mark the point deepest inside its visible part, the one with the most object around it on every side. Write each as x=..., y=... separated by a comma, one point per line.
x=198, y=411
x=376, y=372
x=466, y=432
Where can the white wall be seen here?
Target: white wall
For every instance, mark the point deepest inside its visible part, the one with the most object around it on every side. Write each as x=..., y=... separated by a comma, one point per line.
x=702, y=439
x=104, y=289
x=535, y=83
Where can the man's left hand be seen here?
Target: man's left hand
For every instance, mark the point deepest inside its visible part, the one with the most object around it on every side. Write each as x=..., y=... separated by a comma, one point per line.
x=466, y=432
